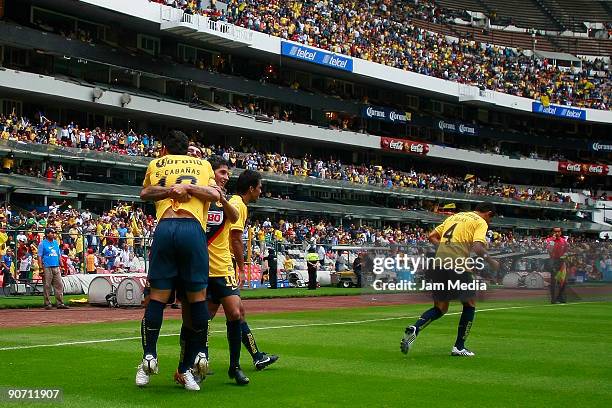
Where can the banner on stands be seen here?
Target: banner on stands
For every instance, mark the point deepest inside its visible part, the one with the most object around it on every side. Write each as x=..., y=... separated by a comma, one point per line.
x=385, y=114
x=583, y=168
x=566, y=112
x=316, y=56
x=403, y=145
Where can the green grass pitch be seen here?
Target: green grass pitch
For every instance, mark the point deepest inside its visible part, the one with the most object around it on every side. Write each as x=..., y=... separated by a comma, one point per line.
x=27, y=301
x=531, y=355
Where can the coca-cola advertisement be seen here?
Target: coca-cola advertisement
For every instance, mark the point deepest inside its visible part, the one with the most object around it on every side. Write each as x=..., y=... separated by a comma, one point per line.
x=583, y=168
x=403, y=145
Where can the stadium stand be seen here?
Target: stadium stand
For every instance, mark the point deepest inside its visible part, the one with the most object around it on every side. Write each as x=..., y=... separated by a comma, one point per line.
x=117, y=240
x=498, y=37
x=82, y=178
x=572, y=14
x=420, y=37
x=395, y=42
x=131, y=144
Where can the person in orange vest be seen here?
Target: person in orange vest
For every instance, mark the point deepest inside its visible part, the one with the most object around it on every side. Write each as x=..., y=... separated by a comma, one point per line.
x=91, y=261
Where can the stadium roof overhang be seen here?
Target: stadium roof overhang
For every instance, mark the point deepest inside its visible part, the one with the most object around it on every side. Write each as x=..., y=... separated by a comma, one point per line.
x=93, y=191
x=183, y=29
x=68, y=188
x=561, y=56
x=43, y=152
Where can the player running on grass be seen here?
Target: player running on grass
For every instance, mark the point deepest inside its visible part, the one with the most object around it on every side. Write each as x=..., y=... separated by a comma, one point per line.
x=455, y=238
x=181, y=188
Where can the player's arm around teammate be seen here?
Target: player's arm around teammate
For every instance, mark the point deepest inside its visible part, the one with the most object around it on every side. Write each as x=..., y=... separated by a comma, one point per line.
x=181, y=188
x=222, y=288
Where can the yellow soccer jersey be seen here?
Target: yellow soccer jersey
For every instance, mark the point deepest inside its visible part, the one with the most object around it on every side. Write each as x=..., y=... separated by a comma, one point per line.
x=243, y=213
x=458, y=232
x=176, y=169
x=219, y=256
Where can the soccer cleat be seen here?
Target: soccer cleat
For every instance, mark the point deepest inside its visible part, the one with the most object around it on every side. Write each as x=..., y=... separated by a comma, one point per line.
x=264, y=361
x=409, y=338
x=237, y=375
x=462, y=353
x=200, y=366
x=187, y=380
x=147, y=367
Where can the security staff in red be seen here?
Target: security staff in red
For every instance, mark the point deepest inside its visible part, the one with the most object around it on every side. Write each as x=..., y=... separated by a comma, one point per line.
x=557, y=247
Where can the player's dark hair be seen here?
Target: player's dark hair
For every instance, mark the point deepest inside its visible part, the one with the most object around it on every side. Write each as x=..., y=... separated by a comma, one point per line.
x=485, y=207
x=176, y=142
x=218, y=161
x=246, y=180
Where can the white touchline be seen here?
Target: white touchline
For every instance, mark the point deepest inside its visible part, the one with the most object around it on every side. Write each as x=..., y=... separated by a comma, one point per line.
x=75, y=343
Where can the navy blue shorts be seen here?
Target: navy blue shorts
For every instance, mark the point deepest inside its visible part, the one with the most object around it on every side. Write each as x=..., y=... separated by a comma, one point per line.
x=179, y=255
x=220, y=287
x=446, y=293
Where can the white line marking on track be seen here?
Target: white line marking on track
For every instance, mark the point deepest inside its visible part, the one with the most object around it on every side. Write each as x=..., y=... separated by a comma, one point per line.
x=383, y=319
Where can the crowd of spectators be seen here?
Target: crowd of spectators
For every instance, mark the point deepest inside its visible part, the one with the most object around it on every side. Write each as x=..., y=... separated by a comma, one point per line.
x=334, y=169
x=44, y=131
x=113, y=241
x=118, y=240
x=588, y=257
x=381, y=31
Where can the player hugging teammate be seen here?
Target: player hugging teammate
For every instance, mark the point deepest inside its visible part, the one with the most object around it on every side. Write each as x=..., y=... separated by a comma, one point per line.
x=189, y=196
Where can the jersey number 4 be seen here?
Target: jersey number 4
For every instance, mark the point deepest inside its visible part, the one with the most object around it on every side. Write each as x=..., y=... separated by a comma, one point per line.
x=448, y=234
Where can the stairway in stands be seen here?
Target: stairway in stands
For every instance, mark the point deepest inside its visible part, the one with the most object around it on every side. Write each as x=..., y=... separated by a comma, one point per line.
x=572, y=13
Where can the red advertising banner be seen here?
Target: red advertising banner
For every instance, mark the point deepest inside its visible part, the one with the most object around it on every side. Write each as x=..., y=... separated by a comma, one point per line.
x=583, y=168
x=403, y=145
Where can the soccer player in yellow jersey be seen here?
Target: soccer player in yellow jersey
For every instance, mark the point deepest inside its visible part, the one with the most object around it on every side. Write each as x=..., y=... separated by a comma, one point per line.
x=223, y=282
x=248, y=189
x=182, y=188
x=455, y=238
